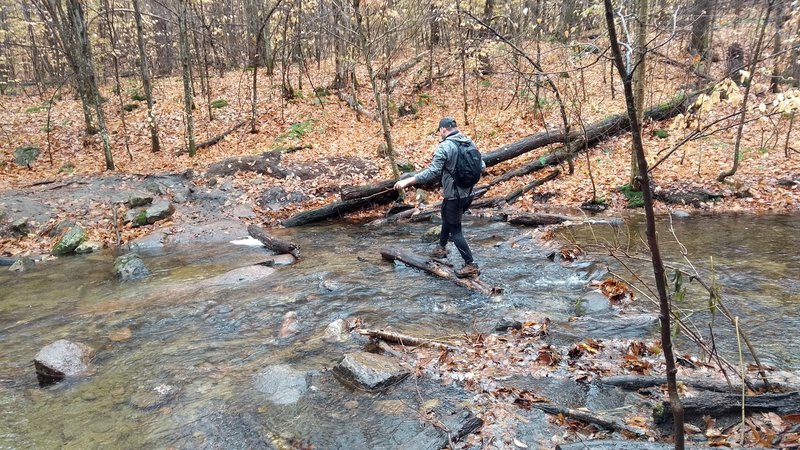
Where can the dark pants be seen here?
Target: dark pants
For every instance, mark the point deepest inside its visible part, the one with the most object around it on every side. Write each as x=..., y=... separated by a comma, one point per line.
x=452, y=210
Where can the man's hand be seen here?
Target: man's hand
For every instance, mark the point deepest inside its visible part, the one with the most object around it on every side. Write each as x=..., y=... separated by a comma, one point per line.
x=404, y=183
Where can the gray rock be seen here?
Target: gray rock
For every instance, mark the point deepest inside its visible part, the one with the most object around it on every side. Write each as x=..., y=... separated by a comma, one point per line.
x=243, y=212
x=432, y=234
x=679, y=214
x=592, y=303
x=23, y=264
x=61, y=227
x=20, y=226
x=159, y=211
x=178, y=198
x=504, y=324
x=282, y=384
x=63, y=359
x=69, y=241
x=369, y=371
x=276, y=197
x=26, y=155
x=137, y=200
x=130, y=267
x=88, y=247
x=137, y=217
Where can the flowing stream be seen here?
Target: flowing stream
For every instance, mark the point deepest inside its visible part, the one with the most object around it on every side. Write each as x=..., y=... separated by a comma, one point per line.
x=185, y=377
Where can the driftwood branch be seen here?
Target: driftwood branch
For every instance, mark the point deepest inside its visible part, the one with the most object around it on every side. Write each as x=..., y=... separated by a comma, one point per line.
x=271, y=242
x=437, y=269
x=404, y=339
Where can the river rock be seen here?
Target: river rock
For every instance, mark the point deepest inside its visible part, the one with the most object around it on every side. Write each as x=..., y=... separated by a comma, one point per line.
x=148, y=399
x=282, y=384
x=63, y=359
x=69, y=241
x=130, y=267
x=337, y=331
x=369, y=371
x=159, y=211
x=23, y=264
x=432, y=234
x=88, y=247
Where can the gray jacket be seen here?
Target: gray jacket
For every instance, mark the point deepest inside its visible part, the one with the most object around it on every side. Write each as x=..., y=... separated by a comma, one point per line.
x=443, y=164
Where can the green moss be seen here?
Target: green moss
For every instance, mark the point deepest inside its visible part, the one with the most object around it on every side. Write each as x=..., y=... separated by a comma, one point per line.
x=137, y=96
x=635, y=198
x=486, y=83
x=140, y=219
x=67, y=168
x=219, y=103
x=35, y=109
x=661, y=134
x=130, y=107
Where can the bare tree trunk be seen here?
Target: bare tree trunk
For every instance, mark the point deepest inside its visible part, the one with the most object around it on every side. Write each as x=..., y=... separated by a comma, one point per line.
x=367, y=53
x=652, y=239
x=35, y=58
x=188, y=101
x=754, y=57
x=776, y=69
x=112, y=36
x=144, y=68
x=701, y=28
x=639, y=73
x=165, y=56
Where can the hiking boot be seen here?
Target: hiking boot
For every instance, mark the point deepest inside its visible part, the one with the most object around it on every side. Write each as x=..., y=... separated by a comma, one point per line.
x=470, y=270
x=438, y=252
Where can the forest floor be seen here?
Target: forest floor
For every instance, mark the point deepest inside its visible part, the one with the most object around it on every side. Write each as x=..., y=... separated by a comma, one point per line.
x=501, y=110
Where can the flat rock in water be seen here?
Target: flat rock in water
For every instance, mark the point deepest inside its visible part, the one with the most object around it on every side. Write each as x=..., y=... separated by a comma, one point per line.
x=369, y=371
x=130, y=267
x=247, y=274
x=592, y=303
x=63, y=359
x=281, y=383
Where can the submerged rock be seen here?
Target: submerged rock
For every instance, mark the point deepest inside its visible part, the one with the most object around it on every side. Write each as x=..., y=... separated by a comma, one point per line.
x=69, y=241
x=281, y=383
x=63, y=359
x=369, y=371
x=148, y=399
x=290, y=325
x=247, y=274
x=130, y=267
x=23, y=264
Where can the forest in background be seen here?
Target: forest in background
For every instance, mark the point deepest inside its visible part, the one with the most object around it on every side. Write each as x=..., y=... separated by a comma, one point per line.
x=148, y=86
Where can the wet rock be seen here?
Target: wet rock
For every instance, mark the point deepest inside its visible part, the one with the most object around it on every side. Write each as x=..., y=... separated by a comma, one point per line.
x=61, y=228
x=243, y=212
x=458, y=422
x=290, y=325
x=432, y=234
x=130, y=267
x=369, y=371
x=23, y=264
x=147, y=399
x=337, y=331
x=282, y=384
x=159, y=211
x=592, y=303
x=20, y=227
x=63, y=359
x=330, y=285
x=680, y=214
x=179, y=198
x=276, y=198
x=69, y=241
x=88, y=247
x=504, y=324
x=241, y=275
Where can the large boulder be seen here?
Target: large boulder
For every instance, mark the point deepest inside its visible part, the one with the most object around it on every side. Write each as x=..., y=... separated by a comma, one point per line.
x=281, y=384
x=69, y=241
x=63, y=359
x=369, y=371
x=130, y=267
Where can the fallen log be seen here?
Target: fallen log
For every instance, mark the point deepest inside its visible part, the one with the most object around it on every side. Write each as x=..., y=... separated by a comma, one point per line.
x=514, y=195
x=595, y=132
x=403, y=67
x=609, y=423
x=404, y=339
x=608, y=127
x=636, y=382
x=271, y=242
x=720, y=405
x=354, y=192
x=340, y=208
x=220, y=137
x=438, y=269
x=356, y=106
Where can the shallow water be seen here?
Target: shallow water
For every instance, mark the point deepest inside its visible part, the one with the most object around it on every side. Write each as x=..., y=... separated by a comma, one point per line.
x=185, y=379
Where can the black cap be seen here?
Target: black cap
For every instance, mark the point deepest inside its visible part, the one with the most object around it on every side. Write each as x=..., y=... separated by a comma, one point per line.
x=447, y=122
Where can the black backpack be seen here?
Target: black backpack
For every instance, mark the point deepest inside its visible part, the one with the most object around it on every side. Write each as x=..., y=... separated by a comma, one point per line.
x=468, y=166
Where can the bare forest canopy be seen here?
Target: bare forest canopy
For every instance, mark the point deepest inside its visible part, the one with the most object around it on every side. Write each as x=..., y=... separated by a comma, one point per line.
x=146, y=86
